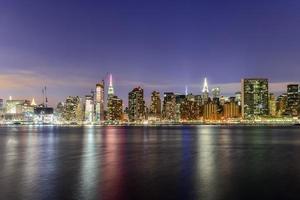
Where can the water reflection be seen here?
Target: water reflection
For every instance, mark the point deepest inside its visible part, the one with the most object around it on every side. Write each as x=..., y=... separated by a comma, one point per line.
x=201, y=162
x=90, y=164
x=206, y=170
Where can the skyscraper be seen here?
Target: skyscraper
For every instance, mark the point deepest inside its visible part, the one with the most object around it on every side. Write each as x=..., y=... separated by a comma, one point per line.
x=155, y=106
x=231, y=109
x=110, y=87
x=281, y=104
x=114, y=109
x=255, y=101
x=136, y=105
x=216, y=92
x=99, y=102
x=272, y=105
x=89, y=109
x=293, y=100
x=169, y=106
x=205, y=92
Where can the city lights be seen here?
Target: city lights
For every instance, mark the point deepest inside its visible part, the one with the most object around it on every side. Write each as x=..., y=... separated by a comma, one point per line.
x=254, y=104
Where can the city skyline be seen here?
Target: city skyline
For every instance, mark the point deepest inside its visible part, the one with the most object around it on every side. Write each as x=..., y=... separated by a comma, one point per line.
x=159, y=45
x=226, y=89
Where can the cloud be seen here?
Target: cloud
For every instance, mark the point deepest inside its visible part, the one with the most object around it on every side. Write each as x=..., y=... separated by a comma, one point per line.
x=20, y=80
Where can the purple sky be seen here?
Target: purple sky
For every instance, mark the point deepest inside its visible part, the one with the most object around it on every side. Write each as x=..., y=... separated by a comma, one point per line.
x=163, y=45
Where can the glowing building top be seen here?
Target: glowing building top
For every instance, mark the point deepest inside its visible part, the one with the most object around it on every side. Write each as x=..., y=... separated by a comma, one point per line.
x=110, y=87
x=33, y=102
x=205, y=86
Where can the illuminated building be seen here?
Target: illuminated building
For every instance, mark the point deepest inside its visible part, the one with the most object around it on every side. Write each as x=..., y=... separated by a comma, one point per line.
x=255, y=100
x=33, y=102
x=89, y=109
x=189, y=110
x=211, y=111
x=11, y=106
x=73, y=109
x=281, y=104
x=155, y=107
x=1, y=104
x=198, y=99
x=293, y=100
x=110, y=87
x=114, y=109
x=238, y=98
x=180, y=98
x=99, y=102
x=136, y=105
x=169, y=106
x=272, y=105
x=43, y=115
x=231, y=110
x=215, y=92
x=205, y=92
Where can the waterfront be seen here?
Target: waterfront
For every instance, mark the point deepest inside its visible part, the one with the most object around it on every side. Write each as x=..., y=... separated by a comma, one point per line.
x=170, y=162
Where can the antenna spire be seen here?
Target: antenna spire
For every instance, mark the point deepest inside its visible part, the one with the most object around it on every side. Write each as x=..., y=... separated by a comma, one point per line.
x=205, y=86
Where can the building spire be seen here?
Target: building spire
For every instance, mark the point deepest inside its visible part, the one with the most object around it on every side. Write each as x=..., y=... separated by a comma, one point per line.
x=205, y=86
x=110, y=88
x=33, y=102
x=110, y=80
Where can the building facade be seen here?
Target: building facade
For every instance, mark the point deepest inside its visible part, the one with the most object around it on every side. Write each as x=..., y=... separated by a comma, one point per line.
x=155, y=107
x=136, y=105
x=255, y=98
x=99, y=102
x=169, y=106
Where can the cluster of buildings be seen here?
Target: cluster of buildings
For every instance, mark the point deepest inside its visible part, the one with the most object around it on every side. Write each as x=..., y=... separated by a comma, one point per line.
x=253, y=103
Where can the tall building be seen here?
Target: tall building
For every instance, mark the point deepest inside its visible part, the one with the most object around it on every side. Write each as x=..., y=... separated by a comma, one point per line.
x=189, y=110
x=255, y=98
x=281, y=104
x=110, y=87
x=180, y=98
x=1, y=104
x=89, y=109
x=114, y=109
x=210, y=111
x=293, y=100
x=231, y=110
x=205, y=92
x=99, y=104
x=155, y=107
x=238, y=97
x=169, y=106
x=136, y=105
x=272, y=105
x=73, y=109
x=216, y=92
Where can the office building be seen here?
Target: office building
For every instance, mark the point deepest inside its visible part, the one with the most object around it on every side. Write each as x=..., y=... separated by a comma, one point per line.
x=205, y=92
x=255, y=98
x=215, y=92
x=114, y=109
x=155, y=107
x=169, y=106
x=272, y=105
x=231, y=110
x=136, y=105
x=293, y=105
x=89, y=109
x=99, y=103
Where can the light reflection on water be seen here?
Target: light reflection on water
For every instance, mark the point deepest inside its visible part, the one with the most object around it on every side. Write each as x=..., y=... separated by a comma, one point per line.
x=197, y=162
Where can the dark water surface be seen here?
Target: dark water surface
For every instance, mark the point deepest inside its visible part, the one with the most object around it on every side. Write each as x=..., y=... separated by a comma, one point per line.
x=199, y=162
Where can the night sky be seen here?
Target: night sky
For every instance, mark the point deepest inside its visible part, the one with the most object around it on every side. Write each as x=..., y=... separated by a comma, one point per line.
x=162, y=45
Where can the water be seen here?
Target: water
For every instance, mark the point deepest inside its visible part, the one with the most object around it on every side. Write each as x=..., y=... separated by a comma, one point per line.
x=199, y=162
